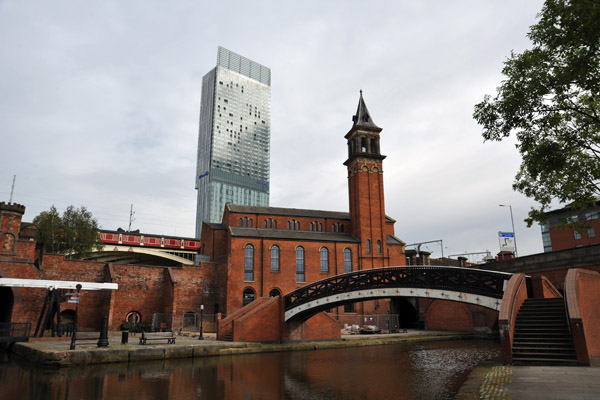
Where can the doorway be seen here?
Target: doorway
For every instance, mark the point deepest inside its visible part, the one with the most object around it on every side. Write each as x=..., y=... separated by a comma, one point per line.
x=6, y=304
x=407, y=313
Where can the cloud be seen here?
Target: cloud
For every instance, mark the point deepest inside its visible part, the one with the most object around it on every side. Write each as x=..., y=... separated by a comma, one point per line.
x=100, y=107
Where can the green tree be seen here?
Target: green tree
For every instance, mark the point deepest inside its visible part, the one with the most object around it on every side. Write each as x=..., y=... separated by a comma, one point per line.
x=550, y=100
x=75, y=233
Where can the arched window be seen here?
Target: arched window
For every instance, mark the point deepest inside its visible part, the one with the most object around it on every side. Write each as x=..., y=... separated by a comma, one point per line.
x=288, y=225
x=241, y=222
x=247, y=297
x=341, y=228
x=347, y=260
x=246, y=222
x=299, y=264
x=265, y=223
x=368, y=246
x=379, y=246
x=275, y=258
x=249, y=263
x=324, y=259
x=297, y=225
x=274, y=224
x=311, y=226
x=274, y=293
x=250, y=223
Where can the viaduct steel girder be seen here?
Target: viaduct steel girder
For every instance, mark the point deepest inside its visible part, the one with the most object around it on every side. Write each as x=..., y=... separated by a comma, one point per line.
x=467, y=285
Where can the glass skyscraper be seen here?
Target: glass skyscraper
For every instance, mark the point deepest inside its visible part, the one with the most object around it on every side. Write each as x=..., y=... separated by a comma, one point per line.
x=234, y=137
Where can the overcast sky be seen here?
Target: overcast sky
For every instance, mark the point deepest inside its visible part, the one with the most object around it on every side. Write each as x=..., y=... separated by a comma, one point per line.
x=99, y=106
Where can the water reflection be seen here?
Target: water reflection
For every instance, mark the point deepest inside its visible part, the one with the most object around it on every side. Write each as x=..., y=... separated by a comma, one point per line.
x=419, y=371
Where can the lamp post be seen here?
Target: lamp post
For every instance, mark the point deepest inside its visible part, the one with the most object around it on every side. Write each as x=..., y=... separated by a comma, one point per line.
x=204, y=287
x=72, y=347
x=512, y=221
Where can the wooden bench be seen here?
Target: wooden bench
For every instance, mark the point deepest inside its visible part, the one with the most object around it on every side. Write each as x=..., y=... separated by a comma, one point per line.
x=169, y=336
x=87, y=336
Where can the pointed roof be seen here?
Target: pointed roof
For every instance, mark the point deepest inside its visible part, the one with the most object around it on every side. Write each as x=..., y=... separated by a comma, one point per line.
x=362, y=118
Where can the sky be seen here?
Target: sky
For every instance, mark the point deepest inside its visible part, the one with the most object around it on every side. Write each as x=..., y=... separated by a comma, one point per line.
x=100, y=101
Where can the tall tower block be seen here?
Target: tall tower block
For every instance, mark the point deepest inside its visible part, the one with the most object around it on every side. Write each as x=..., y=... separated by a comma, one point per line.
x=234, y=137
x=365, y=186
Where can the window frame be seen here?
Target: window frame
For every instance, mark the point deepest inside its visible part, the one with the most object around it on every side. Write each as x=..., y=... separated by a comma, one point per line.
x=275, y=260
x=324, y=256
x=300, y=268
x=249, y=263
x=347, y=260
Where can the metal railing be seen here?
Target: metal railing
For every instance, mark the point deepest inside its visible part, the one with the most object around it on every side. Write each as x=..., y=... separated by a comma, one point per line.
x=468, y=280
x=354, y=323
x=188, y=322
x=14, y=331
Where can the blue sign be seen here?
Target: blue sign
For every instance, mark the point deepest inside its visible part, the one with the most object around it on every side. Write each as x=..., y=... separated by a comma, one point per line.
x=506, y=234
x=263, y=183
x=203, y=175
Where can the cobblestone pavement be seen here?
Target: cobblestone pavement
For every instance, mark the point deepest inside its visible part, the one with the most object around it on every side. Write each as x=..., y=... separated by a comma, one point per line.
x=493, y=383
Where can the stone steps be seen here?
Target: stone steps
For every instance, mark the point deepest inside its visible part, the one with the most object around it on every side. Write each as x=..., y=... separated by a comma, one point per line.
x=542, y=335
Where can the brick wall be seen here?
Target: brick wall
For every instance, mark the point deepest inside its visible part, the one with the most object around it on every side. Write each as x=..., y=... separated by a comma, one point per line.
x=582, y=288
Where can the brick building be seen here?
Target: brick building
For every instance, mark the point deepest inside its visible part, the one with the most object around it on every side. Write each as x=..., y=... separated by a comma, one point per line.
x=557, y=237
x=266, y=251
x=254, y=252
x=143, y=289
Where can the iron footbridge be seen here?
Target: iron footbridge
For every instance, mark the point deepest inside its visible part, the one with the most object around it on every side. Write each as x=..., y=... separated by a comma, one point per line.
x=467, y=285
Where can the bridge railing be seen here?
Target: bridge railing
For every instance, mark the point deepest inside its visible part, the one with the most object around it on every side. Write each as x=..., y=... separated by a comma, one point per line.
x=468, y=280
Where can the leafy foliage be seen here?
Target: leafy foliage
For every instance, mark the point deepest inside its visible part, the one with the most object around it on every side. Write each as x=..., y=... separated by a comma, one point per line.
x=75, y=233
x=550, y=100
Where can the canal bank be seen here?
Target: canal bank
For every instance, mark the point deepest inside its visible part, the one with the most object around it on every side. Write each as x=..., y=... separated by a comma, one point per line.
x=54, y=352
x=492, y=380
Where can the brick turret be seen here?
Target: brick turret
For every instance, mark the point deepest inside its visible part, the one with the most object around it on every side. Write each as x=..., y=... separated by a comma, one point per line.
x=10, y=223
x=365, y=186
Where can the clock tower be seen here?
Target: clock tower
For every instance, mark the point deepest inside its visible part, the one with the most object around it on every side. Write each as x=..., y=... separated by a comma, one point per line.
x=365, y=186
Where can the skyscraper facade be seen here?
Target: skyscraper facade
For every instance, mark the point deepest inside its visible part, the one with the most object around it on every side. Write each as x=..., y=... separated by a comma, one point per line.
x=234, y=137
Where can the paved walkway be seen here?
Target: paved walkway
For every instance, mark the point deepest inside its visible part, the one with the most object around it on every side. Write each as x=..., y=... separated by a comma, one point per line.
x=490, y=381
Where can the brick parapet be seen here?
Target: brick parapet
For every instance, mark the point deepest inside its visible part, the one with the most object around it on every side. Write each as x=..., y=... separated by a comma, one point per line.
x=543, y=288
x=582, y=288
x=514, y=296
x=262, y=323
x=580, y=257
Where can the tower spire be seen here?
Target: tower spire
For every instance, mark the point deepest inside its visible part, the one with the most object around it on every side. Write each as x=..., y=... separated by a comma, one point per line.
x=362, y=118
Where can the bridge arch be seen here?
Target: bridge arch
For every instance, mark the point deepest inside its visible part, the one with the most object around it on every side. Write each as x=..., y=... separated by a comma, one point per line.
x=121, y=254
x=466, y=285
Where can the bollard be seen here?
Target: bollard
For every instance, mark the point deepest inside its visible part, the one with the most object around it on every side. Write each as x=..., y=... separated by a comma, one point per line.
x=124, y=337
x=103, y=342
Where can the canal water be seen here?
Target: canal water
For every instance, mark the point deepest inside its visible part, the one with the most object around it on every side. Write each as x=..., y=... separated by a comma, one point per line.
x=429, y=370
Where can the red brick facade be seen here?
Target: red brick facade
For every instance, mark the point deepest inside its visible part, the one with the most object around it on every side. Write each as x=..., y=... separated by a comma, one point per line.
x=254, y=252
x=263, y=249
x=557, y=236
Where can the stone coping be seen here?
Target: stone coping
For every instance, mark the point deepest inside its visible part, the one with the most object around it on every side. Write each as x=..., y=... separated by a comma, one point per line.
x=54, y=352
